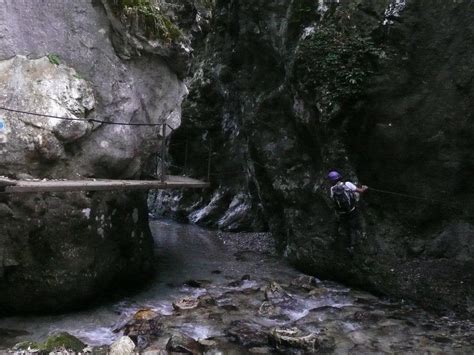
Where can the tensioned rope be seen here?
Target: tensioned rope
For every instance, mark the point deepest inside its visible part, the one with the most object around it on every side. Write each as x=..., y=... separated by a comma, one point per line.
x=89, y=120
x=406, y=195
x=162, y=124
x=428, y=199
x=94, y=120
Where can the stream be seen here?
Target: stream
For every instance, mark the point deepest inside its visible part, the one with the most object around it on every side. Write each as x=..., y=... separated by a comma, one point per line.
x=250, y=301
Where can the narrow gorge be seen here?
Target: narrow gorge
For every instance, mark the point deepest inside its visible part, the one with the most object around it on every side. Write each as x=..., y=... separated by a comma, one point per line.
x=261, y=99
x=379, y=90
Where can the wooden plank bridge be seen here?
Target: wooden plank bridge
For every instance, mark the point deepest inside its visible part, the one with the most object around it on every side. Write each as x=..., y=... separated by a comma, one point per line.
x=31, y=186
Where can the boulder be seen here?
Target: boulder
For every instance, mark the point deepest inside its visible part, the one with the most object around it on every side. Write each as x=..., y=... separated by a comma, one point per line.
x=186, y=304
x=122, y=346
x=27, y=346
x=305, y=282
x=62, y=341
x=63, y=246
x=207, y=301
x=145, y=314
x=181, y=343
x=275, y=294
x=295, y=338
x=145, y=323
x=267, y=309
x=247, y=334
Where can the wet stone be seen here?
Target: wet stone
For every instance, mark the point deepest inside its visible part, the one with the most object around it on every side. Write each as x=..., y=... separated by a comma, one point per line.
x=63, y=340
x=247, y=334
x=121, y=346
x=142, y=341
x=275, y=294
x=207, y=301
x=305, y=282
x=145, y=323
x=293, y=338
x=25, y=346
x=268, y=310
x=185, y=304
x=373, y=316
x=283, y=338
x=208, y=343
x=145, y=314
x=182, y=343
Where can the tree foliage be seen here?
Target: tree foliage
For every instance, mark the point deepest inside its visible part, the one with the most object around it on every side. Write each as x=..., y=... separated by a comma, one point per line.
x=148, y=17
x=333, y=65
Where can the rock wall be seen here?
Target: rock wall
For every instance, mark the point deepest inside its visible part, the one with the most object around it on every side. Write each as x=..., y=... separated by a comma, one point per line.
x=284, y=91
x=66, y=58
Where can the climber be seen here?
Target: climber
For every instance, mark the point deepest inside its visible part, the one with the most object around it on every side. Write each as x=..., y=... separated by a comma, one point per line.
x=346, y=196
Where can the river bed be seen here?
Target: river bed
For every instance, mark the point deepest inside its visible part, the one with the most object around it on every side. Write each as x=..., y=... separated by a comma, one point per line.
x=259, y=304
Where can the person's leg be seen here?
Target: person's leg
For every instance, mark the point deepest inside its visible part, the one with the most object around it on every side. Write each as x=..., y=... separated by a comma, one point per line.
x=345, y=232
x=354, y=227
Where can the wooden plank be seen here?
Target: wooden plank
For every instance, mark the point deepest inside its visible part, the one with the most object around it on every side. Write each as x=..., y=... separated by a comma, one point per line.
x=6, y=181
x=103, y=185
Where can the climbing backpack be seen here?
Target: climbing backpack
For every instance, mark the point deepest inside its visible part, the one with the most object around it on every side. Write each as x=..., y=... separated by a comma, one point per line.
x=344, y=198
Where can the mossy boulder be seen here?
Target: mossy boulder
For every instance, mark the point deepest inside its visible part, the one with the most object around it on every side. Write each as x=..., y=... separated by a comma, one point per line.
x=148, y=17
x=57, y=341
x=26, y=346
x=63, y=340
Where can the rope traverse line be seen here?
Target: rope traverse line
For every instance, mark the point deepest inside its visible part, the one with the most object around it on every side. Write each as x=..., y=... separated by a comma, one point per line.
x=411, y=196
x=89, y=120
x=94, y=120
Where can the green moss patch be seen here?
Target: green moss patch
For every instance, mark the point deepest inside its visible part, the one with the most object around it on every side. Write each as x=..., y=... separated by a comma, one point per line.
x=148, y=17
x=63, y=341
x=333, y=64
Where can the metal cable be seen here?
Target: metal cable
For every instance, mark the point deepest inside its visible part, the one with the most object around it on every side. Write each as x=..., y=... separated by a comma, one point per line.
x=89, y=120
x=412, y=196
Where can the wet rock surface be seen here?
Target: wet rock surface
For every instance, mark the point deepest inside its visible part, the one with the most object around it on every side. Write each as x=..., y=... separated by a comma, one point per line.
x=262, y=305
x=337, y=320
x=286, y=91
x=60, y=59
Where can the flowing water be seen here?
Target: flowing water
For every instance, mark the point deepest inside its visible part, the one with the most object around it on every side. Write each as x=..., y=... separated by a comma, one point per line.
x=250, y=304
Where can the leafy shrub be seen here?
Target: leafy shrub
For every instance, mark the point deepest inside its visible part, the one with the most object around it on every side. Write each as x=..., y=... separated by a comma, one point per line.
x=146, y=16
x=333, y=65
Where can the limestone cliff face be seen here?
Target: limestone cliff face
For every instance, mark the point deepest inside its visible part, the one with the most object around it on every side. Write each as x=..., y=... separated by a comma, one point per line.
x=382, y=90
x=65, y=58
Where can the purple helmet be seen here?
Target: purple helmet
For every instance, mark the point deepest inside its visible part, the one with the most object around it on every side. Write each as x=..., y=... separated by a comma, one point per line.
x=334, y=176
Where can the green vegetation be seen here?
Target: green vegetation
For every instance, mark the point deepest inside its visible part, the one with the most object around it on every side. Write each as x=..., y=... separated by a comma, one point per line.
x=56, y=341
x=334, y=65
x=63, y=340
x=26, y=346
x=147, y=16
x=54, y=59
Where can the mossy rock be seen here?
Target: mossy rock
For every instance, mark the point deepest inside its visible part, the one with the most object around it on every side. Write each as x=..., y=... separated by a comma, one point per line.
x=63, y=340
x=149, y=17
x=26, y=345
